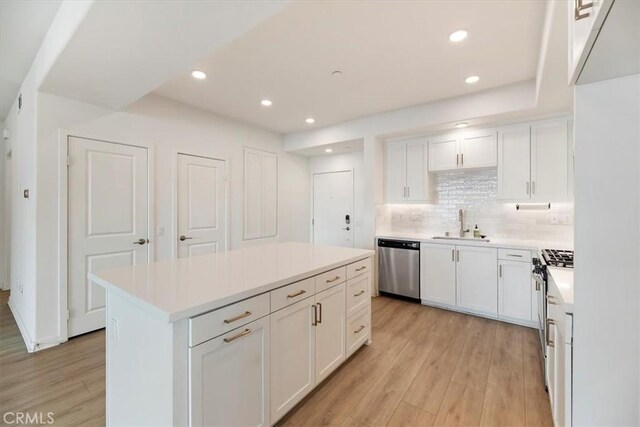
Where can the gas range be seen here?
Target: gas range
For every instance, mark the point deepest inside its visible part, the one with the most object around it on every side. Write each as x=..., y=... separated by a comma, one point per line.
x=558, y=258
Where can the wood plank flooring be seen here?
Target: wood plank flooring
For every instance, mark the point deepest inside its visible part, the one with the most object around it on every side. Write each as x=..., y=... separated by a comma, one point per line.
x=425, y=367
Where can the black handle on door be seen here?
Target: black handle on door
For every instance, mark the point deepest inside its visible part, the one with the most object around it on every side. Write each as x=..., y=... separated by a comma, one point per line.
x=140, y=241
x=183, y=238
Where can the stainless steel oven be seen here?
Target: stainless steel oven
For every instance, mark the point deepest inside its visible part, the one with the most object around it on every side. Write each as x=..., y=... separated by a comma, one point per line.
x=539, y=275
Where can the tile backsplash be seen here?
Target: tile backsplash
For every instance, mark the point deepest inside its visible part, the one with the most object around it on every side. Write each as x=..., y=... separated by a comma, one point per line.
x=476, y=193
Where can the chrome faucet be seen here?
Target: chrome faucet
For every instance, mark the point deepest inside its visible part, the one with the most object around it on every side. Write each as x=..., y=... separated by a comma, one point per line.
x=461, y=219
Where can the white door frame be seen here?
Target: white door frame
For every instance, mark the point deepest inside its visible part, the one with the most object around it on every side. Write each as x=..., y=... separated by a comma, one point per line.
x=312, y=192
x=63, y=218
x=174, y=196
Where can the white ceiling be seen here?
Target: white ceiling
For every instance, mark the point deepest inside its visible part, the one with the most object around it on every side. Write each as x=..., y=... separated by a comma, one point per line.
x=23, y=25
x=392, y=55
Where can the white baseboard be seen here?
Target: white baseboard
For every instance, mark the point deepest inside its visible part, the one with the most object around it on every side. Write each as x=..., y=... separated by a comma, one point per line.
x=28, y=342
x=525, y=323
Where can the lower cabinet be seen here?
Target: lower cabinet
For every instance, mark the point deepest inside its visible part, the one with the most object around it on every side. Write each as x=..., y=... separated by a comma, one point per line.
x=477, y=275
x=330, y=331
x=229, y=378
x=292, y=355
x=438, y=273
x=514, y=290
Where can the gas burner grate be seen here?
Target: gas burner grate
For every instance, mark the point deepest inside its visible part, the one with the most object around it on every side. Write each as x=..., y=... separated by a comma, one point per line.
x=558, y=257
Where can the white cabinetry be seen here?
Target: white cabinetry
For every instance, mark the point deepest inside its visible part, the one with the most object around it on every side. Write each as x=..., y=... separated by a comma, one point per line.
x=330, y=330
x=292, y=356
x=438, y=273
x=260, y=194
x=533, y=162
x=238, y=360
x=469, y=150
x=407, y=177
x=514, y=290
x=476, y=277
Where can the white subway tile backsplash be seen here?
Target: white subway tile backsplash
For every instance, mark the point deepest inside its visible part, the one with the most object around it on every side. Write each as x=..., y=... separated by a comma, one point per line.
x=476, y=193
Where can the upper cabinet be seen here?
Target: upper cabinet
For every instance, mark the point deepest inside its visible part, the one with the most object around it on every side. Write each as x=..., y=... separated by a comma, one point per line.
x=533, y=162
x=468, y=150
x=407, y=177
x=260, y=194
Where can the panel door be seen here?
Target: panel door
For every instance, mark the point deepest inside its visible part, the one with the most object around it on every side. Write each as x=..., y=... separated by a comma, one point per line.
x=514, y=290
x=395, y=171
x=108, y=222
x=330, y=330
x=260, y=194
x=479, y=149
x=293, y=353
x=477, y=279
x=443, y=153
x=549, y=161
x=332, y=208
x=417, y=170
x=202, y=207
x=514, y=160
x=438, y=273
x=269, y=163
x=229, y=378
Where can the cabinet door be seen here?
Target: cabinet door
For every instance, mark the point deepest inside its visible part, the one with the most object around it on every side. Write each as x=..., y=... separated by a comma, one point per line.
x=438, y=273
x=229, y=378
x=330, y=330
x=292, y=356
x=479, y=149
x=549, y=161
x=514, y=162
x=443, y=153
x=514, y=290
x=558, y=404
x=395, y=171
x=417, y=170
x=477, y=279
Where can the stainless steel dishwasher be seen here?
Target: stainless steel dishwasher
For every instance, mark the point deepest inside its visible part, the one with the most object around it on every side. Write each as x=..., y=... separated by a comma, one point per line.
x=399, y=268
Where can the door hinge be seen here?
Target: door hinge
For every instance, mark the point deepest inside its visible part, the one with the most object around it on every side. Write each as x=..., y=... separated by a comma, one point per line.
x=68, y=160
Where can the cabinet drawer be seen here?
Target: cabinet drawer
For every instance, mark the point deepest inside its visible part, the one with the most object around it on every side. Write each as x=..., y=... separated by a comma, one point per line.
x=358, y=293
x=218, y=322
x=358, y=268
x=292, y=293
x=358, y=330
x=514, y=255
x=330, y=278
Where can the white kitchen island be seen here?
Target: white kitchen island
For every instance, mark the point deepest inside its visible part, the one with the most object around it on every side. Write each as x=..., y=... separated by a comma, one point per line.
x=233, y=338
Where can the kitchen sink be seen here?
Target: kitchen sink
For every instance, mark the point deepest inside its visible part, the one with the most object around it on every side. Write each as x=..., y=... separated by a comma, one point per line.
x=474, y=239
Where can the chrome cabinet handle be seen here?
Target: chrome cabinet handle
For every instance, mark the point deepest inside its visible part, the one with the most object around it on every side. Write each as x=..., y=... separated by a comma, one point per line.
x=551, y=300
x=364, y=267
x=453, y=255
x=550, y=343
x=457, y=255
x=319, y=313
x=533, y=187
x=408, y=191
x=183, y=238
x=360, y=329
x=140, y=241
x=500, y=271
x=240, y=335
x=462, y=159
x=297, y=294
x=457, y=159
x=238, y=317
x=359, y=293
x=314, y=322
x=333, y=280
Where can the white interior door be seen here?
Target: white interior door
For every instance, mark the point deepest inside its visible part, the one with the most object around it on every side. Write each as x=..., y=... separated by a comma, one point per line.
x=202, y=205
x=108, y=221
x=332, y=208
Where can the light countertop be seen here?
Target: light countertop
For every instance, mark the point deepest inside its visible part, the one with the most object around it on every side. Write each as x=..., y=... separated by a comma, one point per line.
x=532, y=245
x=178, y=289
x=563, y=279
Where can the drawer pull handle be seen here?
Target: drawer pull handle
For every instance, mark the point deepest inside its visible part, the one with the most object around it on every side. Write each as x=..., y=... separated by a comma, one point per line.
x=333, y=280
x=364, y=267
x=297, y=294
x=550, y=343
x=359, y=293
x=357, y=331
x=515, y=255
x=319, y=313
x=240, y=335
x=551, y=300
x=238, y=317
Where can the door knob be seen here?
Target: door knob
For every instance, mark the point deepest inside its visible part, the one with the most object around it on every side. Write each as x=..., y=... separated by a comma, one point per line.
x=183, y=238
x=140, y=241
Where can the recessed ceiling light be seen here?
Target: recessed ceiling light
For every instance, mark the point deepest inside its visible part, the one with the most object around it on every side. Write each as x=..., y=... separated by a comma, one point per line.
x=310, y=120
x=336, y=73
x=266, y=103
x=461, y=125
x=458, y=36
x=471, y=79
x=197, y=74
x=328, y=150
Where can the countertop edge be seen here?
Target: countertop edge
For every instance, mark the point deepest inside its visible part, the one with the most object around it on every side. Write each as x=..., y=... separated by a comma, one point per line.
x=470, y=242
x=223, y=302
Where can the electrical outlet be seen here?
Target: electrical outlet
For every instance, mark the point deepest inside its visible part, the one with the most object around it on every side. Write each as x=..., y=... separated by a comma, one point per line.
x=566, y=219
x=555, y=219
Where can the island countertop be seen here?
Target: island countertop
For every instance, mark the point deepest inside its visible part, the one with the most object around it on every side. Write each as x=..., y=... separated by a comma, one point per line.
x=187, y=287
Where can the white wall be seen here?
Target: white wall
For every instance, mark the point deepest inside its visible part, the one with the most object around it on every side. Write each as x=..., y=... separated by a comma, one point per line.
x=4, y=277
x=347, y=161
x=167, y=126
x=607, y=248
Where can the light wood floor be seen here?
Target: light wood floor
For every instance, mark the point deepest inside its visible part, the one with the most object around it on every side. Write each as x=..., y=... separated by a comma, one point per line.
x=425, y=367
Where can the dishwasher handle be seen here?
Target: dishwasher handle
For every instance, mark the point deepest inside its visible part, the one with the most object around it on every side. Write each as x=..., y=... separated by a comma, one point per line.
x=399, y=244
